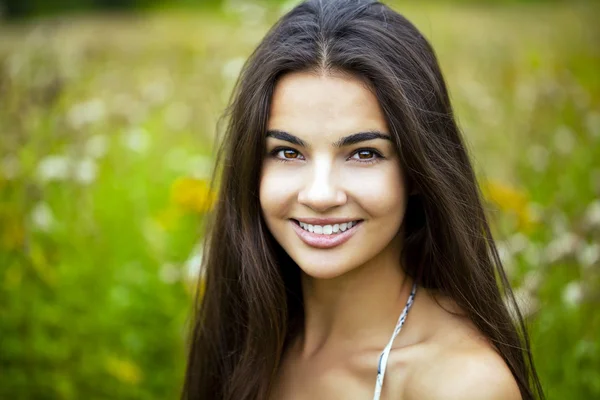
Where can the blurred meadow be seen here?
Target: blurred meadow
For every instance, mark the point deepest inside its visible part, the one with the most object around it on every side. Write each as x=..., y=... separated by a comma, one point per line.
x=107, y=126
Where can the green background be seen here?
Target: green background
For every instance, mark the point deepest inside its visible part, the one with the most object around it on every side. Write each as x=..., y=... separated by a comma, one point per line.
x=106, y=141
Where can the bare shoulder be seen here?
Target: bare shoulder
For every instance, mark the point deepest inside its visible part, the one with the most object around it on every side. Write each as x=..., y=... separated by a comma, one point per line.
x=458, y=362
x=477, y=375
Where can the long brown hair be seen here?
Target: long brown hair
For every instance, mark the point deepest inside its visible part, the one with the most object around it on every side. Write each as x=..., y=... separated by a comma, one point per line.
x=251, y=303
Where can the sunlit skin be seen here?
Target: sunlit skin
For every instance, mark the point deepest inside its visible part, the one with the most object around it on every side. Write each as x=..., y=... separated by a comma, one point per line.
x=355, y=291
x=323, y=180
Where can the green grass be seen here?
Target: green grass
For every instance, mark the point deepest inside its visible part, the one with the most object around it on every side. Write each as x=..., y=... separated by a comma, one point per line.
x=100, y=115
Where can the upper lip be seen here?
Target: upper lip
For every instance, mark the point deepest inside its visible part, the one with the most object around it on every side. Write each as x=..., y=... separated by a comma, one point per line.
x=326, y=221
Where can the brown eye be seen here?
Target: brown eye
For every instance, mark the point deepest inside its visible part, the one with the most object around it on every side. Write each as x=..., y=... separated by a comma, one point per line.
x=286, y=154
x=289, y=153
x=365, y=154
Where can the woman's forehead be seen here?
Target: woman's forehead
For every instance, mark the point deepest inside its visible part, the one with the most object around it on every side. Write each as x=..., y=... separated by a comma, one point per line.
x=332, y=105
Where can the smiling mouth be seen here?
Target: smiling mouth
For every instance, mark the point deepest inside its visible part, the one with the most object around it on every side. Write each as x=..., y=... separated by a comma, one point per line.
x=326, y=236
x=327, y=230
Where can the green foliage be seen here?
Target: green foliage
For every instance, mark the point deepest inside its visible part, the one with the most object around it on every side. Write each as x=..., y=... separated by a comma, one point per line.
x=106, y=128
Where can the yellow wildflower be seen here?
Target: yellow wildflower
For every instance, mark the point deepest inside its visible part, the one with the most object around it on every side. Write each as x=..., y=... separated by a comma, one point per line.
x=509, y=199
x=124, y=370
x=193, y=195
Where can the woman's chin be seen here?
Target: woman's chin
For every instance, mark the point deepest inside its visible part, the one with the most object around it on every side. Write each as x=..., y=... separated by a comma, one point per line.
x=325, y=270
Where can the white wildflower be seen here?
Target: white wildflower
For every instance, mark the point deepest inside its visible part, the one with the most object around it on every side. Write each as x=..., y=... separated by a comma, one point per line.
x=505, y=257
x=532, y=281
x=562, y=246
x=53, y=168
x=42, y=217
x=96, y=146
x=84, y=113
x=137, y=140
x=592, y=214
x=517, y=243
x=194, y=262
x=572, y=294
x=85, y=171
x=503, y=250
x=589, y=255
x=157, y=91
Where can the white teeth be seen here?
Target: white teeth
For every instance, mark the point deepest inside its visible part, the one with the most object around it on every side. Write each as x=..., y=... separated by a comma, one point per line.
x=327, y=229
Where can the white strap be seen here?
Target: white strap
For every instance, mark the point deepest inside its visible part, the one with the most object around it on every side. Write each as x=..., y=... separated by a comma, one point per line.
x=386, y=351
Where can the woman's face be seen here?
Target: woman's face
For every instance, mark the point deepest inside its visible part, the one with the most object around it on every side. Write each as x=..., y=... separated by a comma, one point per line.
x=330, y=161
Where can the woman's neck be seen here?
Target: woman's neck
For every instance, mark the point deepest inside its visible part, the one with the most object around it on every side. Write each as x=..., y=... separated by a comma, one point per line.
x=359, y=308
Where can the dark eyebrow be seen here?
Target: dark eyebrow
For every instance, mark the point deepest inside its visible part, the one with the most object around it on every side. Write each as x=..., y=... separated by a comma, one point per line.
x=345, y=141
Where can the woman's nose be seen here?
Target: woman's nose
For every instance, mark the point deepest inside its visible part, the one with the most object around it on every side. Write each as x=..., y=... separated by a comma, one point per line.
x=321, y=190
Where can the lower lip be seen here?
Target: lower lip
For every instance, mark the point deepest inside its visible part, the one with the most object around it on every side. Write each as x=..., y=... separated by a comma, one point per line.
x=324, y=241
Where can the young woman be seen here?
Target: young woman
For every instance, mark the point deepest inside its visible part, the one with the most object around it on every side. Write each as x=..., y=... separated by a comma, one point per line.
x=349, y=242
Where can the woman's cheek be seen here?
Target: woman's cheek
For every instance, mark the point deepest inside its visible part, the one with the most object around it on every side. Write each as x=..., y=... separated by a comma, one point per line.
x=277, y=188
x=379, y=191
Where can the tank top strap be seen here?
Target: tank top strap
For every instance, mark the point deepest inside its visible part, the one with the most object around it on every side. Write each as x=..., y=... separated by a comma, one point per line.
x=386, y=351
